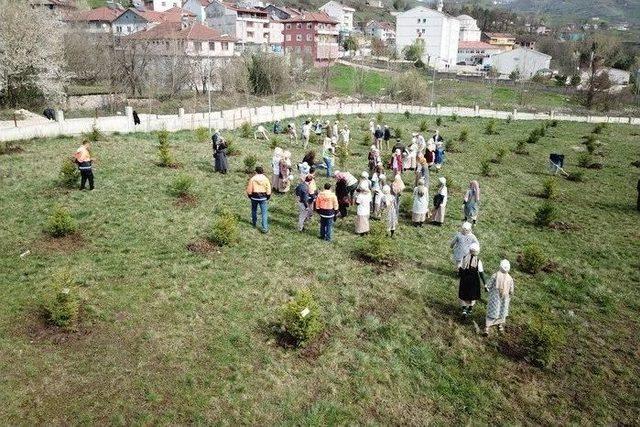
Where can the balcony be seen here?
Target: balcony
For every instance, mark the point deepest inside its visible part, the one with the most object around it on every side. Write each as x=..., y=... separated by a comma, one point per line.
x=328, y=32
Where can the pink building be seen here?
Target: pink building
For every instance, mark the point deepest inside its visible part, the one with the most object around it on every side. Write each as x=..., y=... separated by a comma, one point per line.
x=313, y=35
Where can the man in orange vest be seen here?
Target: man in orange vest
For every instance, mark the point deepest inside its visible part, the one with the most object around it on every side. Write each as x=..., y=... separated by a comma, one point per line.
x=259, y=191
x=83, y=160
x=327, y=208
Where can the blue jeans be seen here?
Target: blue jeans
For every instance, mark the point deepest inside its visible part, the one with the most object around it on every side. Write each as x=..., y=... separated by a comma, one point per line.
x=264, y=210
x=329, y=164
x=326, y=228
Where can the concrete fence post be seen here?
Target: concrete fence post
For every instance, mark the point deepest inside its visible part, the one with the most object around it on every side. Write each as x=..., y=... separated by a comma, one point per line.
x=476, y=110
x=128, y=111
x=438, y=109
x=552, y=114
x=514, y=114
x=59, y=116
x=180, y=112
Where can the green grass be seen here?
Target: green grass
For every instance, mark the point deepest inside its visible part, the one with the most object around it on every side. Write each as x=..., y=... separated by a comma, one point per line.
x=343, y=81
x=173, y=337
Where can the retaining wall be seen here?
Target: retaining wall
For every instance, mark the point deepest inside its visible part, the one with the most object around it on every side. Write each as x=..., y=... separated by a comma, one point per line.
x=232, y=119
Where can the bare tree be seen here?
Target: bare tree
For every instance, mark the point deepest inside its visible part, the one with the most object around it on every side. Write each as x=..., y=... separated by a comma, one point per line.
x=88, y=57
x=132, y=62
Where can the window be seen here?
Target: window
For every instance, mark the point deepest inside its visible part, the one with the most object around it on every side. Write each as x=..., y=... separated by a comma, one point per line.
x=309, y=26
x=212, y=46
x=299, y=37
x=418, y=20
x=225, y=45
x=288, y=26
x=309, y=37
x=298, y=25
x=250, y=34
x=249, y=24
x=424, y=20
x=197, y=46
x=164, y=3
x=266, y=36
x=288, y=37
x=265, y=25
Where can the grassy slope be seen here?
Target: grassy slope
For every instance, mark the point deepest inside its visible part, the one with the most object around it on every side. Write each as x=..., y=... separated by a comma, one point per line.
x=177, y=337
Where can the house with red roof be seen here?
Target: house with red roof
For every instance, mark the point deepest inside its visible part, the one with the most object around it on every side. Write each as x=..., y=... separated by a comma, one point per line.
x=99, y=20
x=313, y=36
x=134, y=19
x=474, y=52
x=161, y=5
x=381, y=30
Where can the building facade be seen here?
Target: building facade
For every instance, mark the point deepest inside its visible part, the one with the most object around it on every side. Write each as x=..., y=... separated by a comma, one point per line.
x=97, y=21
x=381, y=30
x=249, y=26
x=340, y=13
x=526, y=62
x=502, y=40
x=475, y=52
x=469, y=31
x=161, y=5
x=312, y=36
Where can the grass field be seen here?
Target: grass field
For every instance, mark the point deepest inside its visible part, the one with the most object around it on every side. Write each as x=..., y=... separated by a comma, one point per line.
x=168, y=336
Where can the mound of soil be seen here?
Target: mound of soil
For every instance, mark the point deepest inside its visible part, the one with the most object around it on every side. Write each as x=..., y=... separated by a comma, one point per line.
x=69, y=243
x=11, y=149
x=510, y=343
x=595, y=166
x=315, y=348
x=202, y=247
x=186, y=201
x=563, y=226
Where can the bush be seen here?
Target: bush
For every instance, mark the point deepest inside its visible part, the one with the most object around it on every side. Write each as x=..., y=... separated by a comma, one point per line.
x=181, y=186
x=60, y=301
x=598, y=128
x=342, y=154
x=542, y=131
x=533, y=259
x=367, y=139
x=577, y=176
x=423, y=126
x=500, y=155
x=591, y=145
x=94, y=135
x=454, y=117
x=520, y=147
x=545, y=215
x=542, y=343
x=464, y=135
x=201, y=134
x=339, y=117
x=267, y=74
x=377, y=247
x=69, y=173
x=409, y=86
x=553, y=123
x=245, y=130
x=224, y=231
x=406, y=205
x=232, y=146
x=452, y=146
x=490, y=129
x=533, y=137
x=438, y=121
x=60, y=223
x=379, y=117
x=300, y=318
x=164, y=151
x=397, y=132
x=250, y=162
x=549, y=188
x=407, y=114
x=585, y=160
x=485, y=168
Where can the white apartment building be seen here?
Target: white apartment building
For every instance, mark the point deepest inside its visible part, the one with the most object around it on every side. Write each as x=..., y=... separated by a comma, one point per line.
x=251, y=27
x=469, y=31
x=341, y=13
x=438, y=31
x=161, y=5
x=527, y=62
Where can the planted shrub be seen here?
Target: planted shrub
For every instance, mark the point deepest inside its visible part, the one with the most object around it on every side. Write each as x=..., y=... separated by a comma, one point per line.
x=181, y=186
x=598, y=128
x=224, y=231
x=245, y=130
x=533, y=137
x=533, y=259
x=60, y=301
x=452, y=146
x=577, y=176
x=585, y=160
x=69, y=173
x=490, y=129
x=406, y=205
x=164, y=150
x=339, y=117
x=313, y=139
x=377, y=247
x=520, y=147
x=591, y=144
x=407, y=114
x=423, y=126
x=366, y=139
x=300, y=318
x=397, y=132
x=464, y=135
x=485, y=168
x=232, y=146
x=379, y=117
x=250, y=163
x=545, y=215
x=438, y=121
x=500, y=155
x=454, y=117
x=342, y=154
x=553, y=123
x=94, y=135
x=60, y=223
x=549, y=188
x=201, y=134
x=542, y=343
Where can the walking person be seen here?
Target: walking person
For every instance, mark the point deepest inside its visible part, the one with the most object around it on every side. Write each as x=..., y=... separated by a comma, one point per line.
x=328, y=155
x=397, y=187
x=373, y=159
x=389, y=205
x=461, y=243
x=420, y=208
x=500, y=289
x=84, y=161
x=275, y=166
x=386, y=136
x=440, y=202
x=327, y=208
x=284, y=178
x=342, y=193
x=259, y=192
x=363, y=210
x=378, y=135
x=471, y=273
x=220, y=154
x=471, y=202
x=396, y=163
x=305, y=202
x=306, y=133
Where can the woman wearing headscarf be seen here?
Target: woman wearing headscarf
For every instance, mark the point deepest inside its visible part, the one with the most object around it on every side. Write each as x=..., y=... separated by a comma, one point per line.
x=471, y=273
x=396, y=189
x=342, y=193
x=284, y=178
x=500, y=289
x=364, y=180
x=377, y=183
x=412, y=153
x=461, y=243
x=422, y=170
x=396, y=162
x=471, y=202
x=440, y=202
x=389, y=206
x=373, y=159
x=439, y=155
x=220, y=153
x=420, y=208
x=275, y=166
x=363, y=202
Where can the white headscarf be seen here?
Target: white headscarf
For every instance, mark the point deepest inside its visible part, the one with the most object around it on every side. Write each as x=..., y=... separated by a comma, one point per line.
x=443, y=180
x=503, y=279
x=466, y=227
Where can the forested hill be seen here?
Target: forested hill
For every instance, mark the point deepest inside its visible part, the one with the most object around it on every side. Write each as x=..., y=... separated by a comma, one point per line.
x=575, y=10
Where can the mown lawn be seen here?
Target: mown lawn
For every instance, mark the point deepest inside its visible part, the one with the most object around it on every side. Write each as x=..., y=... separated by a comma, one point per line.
x=169, y=336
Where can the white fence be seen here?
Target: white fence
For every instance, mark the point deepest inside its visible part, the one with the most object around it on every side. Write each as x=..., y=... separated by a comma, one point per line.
x=232, y=119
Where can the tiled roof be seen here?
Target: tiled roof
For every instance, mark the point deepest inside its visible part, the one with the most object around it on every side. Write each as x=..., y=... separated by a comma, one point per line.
x=171, y=15
x=244, y=9
x=175, y=31
x=500, y=35
x=102, y=14
x=312, y=17
x=475, y=45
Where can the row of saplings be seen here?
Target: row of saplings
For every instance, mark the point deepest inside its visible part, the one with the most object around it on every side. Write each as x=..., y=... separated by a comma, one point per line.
x=300, y=320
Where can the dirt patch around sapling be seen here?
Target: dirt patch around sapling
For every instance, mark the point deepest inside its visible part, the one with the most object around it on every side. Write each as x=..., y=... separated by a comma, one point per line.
x=186, y=201
x=69, y=243
x=203, y=246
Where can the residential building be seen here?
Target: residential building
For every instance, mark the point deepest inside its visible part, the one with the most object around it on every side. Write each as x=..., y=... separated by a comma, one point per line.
x=381, y=30
x=276, y=36
x=503, y=40
x=438, y=31
x=475, y=52
x=197, y=7
x=248, y=25
x=62, y=6
x=374, y=3
x=133, y=20
x=616, y=76
x=312, y=36
x=527, y=62
x=161, y=5
x=99, y=20
x=469, y=31
x=280, y=12
x=340, y=13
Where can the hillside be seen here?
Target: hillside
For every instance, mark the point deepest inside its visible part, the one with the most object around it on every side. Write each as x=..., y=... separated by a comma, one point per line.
x=572, y=10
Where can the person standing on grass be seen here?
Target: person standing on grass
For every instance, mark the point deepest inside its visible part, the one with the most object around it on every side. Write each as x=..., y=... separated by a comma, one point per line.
x=471, y=201
x=439, y=155
x=342, y=193
x=351, y=184
x=440, y=202
x=461, y=243
x=363, y=210
x=378, y=136
x=345, y=133
x=471, y=273
x=277, y=127
x=306, y=133
x=422, y=144
x=328, y=155
x=386, y=135
x=293, y=133
x=397, y=188
x=275, y=166
x=84, y=162
x=335, y=132
x=284, y=178
x=389, y=205
x=305, y=202
x=422, y=170
x=220, y=154
x=364, y=181
x=396, y=163
x=373, y=159
x=420, y=208
x=327, y=207
x=259, y=192
x=500, y=289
